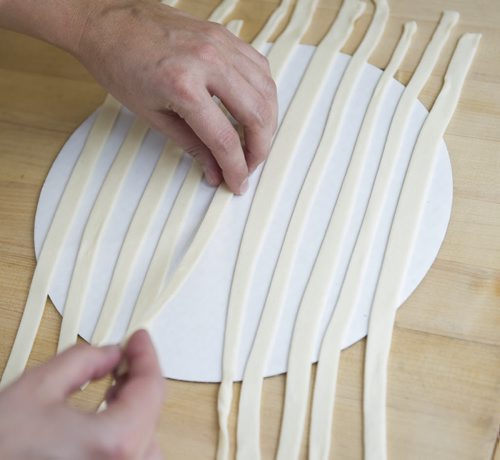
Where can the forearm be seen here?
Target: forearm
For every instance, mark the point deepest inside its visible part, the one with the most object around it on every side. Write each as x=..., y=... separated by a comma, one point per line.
x=60, y=22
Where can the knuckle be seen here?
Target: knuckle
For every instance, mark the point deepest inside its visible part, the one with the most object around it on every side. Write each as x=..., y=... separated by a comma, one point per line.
x=182, y=86
x=215, y=31
x=265, y=63
x=263, y=114
x=115, y=448
x=207, y=52
x=259, y=155
x=227, y=141
x=269, y=88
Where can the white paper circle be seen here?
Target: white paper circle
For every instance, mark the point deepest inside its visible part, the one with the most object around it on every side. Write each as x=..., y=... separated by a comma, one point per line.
x=189, y=332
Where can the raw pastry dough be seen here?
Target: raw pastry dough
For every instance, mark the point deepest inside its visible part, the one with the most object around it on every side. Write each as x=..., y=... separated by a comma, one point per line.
x=137, y=233
x=267, y=197
x=94, y=229
x=249, y=412
x=401, y=244
x=92, y=238
x=221, y=199
x=56, y=238
x=327, y=265
x=57, y=235
x=163, y=255
x=135, y=239
x=222, y=11
x=354, y=281
x=299, y=23
x=270, y=27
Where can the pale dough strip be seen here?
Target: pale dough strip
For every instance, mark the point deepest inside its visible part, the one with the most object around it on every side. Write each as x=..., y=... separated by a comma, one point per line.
x=137, y=234
x=163, y=255
x=354, y=281
x=222, y=11
x=279, y=55
x=263, y=208
x=208, y=226
x=164, y=252
x=56, y=238
x=92, y=239
x=95, y=227
x=401, y=245
x=249, y=409
x=222, y=196
x=145, y=315
x=135, y=239
x=314, y=300
x=271, y=25
x=312, y=306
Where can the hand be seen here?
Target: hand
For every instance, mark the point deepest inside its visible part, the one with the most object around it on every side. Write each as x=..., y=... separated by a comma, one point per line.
x=165, y=66
x=36, y=422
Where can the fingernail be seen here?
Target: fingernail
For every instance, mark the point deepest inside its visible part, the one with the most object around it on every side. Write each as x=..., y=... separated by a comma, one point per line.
x=121, y=369
x=244, y=187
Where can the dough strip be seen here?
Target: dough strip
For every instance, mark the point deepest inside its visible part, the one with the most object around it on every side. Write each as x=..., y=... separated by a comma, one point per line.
x=135, y=239
x=56, y=238
x=250, y=396
x=208, y=226
x=271, y=25
x=138, y=231
x=326, y=266
x=265, y=202
x=361, y=258
x=401, y=246
x=95, y=227
x=92, y=240
x=163, y=255
x=299, y=23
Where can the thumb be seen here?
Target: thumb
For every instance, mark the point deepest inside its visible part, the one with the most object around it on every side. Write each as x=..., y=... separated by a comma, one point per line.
x=67, y=372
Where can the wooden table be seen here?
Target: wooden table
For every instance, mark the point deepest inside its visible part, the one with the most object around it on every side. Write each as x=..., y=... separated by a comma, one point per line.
x=444, y=382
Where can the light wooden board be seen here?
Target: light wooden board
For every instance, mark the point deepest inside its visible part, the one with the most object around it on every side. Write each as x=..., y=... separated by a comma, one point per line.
x=444, y=382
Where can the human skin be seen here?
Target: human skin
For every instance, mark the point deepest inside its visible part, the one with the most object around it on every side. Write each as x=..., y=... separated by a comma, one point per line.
x=36, y=421
x=165, y=66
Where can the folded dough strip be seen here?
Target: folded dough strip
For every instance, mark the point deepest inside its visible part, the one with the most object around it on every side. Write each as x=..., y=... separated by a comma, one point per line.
x=139, y=228
x=57, y=236
x=207, y=228
x=300, y=22
x=220, y=201
x=250, y=397
x=401, y=246
x=164, y=252
x=92, y=238
x=353, y=286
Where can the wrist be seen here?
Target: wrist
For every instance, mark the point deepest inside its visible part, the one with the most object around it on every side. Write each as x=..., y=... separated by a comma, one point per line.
x=59, y=22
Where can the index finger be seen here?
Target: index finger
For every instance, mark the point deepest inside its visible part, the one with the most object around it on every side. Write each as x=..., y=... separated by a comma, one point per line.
x=140, y=397
x=215, y=130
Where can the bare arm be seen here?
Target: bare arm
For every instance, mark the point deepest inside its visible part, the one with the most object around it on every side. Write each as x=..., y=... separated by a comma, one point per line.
x=166, y=66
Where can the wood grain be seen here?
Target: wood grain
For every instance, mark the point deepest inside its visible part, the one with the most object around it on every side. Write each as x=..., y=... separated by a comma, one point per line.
x=444, y=382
